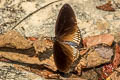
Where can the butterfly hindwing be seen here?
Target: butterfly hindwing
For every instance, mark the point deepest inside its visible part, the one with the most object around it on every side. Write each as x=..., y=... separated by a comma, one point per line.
x=62, y=56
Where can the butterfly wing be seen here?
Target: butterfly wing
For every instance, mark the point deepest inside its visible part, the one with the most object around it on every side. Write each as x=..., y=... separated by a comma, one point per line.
x=66, y=33
x=63, y=56
x=66, y=26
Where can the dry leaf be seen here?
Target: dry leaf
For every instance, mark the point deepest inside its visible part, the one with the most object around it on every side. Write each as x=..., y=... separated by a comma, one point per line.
x=106, y=7
x=116, y=60
x=107, y=70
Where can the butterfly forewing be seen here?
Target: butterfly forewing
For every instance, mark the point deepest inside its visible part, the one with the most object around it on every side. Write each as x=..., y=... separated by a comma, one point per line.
x=66, y=26
x=63, y=56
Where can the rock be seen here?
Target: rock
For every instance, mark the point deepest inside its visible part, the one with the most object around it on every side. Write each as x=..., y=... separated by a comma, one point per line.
x=117, y=37
x=109, y=17
x=95, y=57
x=12, y=12
x=90, y=74
x=42, y=44
x=117, y=15
x=9, y=72
x=90, y=20
x=19, y=57
x=102, y=25
x=117, y=2
x=14, y=39
x=115, y=75
x=98, y=39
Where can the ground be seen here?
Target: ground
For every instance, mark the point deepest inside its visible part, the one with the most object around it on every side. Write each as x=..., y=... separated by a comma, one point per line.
x=22, y=53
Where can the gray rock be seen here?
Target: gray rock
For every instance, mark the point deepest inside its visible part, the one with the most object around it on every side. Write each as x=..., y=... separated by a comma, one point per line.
x=8, y=72
x=43, y=22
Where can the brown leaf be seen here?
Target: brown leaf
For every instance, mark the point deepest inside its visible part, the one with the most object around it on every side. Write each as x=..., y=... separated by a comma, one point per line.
x=106, y=7
x=98, y=39
x=107, y=70
x=116, y=60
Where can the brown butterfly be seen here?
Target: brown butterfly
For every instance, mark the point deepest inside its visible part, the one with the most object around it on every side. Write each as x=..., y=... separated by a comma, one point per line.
x=67, y=39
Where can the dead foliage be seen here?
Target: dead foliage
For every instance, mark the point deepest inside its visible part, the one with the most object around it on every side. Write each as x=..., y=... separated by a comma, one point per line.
x=116, y=60
x=106, y=7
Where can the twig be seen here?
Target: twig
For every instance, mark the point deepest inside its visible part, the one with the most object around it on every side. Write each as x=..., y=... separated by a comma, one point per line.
x=33, y=13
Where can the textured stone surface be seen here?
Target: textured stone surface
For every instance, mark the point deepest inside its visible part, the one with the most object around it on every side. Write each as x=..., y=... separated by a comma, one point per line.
x=8, y=72
x=115, y=75
x=15, y=40
x=90, y=20
x=98, y=39
x=97, y=56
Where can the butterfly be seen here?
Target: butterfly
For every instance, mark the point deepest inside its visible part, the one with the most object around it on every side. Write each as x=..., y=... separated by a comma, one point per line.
x=67, y=39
